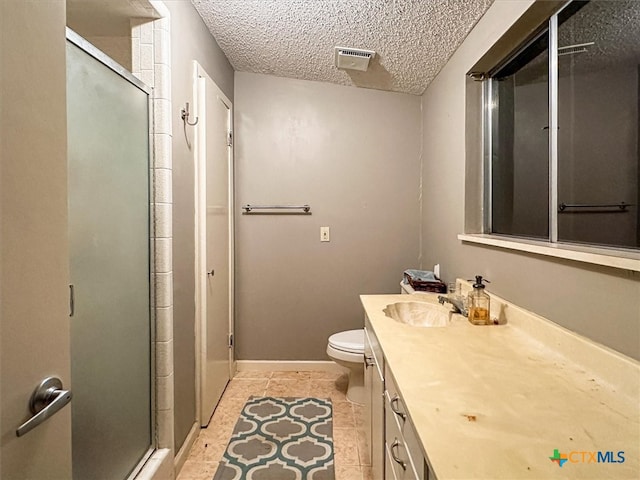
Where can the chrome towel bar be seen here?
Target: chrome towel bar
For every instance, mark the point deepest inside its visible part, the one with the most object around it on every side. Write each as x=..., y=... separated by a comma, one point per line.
x=619, y=207
x=250, y=208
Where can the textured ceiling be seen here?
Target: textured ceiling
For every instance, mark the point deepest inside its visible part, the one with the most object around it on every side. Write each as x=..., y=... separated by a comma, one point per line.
x=413, y=39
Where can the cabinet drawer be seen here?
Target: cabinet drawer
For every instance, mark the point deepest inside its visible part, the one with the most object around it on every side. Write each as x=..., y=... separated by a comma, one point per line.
x=395, y=401
x=395, y=445
x=396, y=409
x=389, y=472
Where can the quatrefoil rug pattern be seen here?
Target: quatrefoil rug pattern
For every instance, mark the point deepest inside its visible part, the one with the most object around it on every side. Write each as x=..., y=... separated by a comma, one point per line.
x=281, y=439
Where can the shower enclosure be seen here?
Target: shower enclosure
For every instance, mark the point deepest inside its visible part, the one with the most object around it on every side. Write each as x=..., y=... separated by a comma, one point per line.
x=109, y=248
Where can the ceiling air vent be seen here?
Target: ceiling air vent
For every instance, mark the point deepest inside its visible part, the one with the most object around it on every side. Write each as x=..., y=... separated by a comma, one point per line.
x=353, y=58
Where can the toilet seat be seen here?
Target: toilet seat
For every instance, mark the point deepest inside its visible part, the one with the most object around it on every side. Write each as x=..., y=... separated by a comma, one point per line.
x=350, y=341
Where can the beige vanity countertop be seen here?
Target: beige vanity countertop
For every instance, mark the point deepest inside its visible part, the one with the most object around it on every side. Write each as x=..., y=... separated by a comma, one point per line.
x=492, y=402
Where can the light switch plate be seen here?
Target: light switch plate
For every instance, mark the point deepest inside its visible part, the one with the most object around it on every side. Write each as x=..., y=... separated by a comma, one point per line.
x=324, y=234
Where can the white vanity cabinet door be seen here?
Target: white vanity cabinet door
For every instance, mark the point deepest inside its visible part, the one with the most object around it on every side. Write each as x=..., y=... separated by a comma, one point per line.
x=374, y=398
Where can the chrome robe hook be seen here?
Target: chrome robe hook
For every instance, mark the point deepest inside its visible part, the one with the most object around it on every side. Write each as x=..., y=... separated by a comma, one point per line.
x=184, y=113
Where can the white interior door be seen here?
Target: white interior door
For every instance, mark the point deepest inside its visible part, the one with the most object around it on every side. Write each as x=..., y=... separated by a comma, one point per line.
x=34, y=261
x=215, y=266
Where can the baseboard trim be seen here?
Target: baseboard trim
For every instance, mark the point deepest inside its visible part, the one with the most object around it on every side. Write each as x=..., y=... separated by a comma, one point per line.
x=157, y=467
x=183, y=453
x=289, y=366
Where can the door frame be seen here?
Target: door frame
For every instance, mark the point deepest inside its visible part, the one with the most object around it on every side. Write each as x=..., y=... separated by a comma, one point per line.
x=200, y=232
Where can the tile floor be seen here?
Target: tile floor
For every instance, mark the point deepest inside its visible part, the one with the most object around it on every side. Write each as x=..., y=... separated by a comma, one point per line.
x=351, y=457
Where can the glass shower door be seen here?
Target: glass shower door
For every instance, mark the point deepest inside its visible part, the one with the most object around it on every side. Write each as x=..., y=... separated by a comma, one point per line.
x=108, y=159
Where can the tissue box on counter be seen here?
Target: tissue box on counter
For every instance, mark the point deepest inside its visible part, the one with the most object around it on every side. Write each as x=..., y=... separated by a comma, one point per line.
x=424, y=281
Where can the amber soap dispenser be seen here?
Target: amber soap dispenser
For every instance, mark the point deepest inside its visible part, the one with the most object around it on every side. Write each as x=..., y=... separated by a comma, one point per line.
x=479, y=303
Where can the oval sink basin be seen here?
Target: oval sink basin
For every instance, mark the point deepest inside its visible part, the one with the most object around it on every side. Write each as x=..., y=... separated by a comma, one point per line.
x=418, y=314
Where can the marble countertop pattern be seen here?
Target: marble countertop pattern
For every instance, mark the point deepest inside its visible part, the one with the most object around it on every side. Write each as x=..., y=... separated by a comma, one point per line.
x=495, y=402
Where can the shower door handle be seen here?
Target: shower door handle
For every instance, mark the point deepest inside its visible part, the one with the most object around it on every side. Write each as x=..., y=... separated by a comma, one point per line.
x=47, y=399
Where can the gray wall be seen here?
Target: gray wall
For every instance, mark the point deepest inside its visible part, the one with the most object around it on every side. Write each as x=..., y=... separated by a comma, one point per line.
x=106, y=29
x=190, y=40
x=353, y=155
x=599, y=302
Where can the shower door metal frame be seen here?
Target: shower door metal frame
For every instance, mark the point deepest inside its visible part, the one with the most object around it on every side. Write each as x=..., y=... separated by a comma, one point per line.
x=107, y=61
x=111, y=64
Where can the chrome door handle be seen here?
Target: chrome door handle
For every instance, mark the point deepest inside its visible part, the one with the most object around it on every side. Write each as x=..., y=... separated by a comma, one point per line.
x=395, y=457
x=46, y=400
x=394, y=407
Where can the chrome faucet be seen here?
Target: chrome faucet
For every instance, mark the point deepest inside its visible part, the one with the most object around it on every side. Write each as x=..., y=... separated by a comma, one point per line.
x=457, y=303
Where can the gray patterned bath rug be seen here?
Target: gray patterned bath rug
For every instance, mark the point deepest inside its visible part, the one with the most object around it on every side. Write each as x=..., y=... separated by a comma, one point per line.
x=281, y=439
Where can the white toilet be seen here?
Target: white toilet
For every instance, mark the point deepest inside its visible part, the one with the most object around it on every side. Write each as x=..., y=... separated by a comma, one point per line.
x=347, y=349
